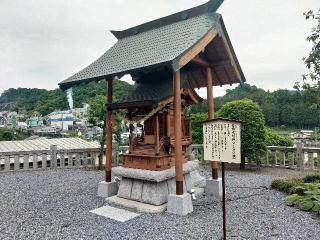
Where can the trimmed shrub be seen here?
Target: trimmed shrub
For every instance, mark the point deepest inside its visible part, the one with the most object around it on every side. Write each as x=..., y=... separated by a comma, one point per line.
x=285, y=184
x=310, y=178
x=252, y=127
x=304, y=195
x=197, y=121
x=274, y=139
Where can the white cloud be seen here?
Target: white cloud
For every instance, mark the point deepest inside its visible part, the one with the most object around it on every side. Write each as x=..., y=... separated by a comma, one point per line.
x=44, y=42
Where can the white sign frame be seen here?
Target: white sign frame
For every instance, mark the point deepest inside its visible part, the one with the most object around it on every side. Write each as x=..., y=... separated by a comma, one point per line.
x=222, y=140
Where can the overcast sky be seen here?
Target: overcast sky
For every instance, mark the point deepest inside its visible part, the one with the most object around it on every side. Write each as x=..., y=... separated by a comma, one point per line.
x=45, y=41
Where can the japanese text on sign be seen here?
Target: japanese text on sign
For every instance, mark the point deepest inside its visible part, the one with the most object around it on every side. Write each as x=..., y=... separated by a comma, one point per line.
x=222, y=140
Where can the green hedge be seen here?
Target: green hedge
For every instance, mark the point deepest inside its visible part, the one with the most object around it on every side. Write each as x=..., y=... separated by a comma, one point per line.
x=304, y=192
x=274, y=139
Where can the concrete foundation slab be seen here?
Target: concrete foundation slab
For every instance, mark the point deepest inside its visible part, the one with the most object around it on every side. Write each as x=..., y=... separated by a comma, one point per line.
x=107, y=189
x=135, y=205
x=117, y=214
x=179, y=204
x=214, y=188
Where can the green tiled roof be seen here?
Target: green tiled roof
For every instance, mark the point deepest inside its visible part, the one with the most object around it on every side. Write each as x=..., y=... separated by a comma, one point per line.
x=152, y=44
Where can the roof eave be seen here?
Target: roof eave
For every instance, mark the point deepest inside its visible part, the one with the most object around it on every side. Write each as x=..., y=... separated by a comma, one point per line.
x=225, y=32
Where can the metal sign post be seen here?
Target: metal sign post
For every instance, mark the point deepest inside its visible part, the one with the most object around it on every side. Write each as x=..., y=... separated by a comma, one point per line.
x=224, y=224
x=221, y=142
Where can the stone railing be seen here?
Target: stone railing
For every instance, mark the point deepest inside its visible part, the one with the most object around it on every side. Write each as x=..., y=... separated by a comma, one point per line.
x=48, y=159
x=298, y=157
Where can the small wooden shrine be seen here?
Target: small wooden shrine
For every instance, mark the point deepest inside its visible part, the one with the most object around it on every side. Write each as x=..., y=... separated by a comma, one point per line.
x=152, y=104
x=167, y=58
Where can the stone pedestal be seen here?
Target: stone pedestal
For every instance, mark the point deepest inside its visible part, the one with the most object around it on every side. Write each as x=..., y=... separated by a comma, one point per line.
x=153, y=187
x=180, y=204
x=214, y=188
x=107, y=189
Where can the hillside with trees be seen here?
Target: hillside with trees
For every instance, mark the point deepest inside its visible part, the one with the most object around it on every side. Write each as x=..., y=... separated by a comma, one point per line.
x=289, y=108
x=45, y=101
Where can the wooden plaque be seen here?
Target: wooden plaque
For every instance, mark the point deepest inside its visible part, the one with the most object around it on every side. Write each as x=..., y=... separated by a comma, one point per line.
x=222, y=140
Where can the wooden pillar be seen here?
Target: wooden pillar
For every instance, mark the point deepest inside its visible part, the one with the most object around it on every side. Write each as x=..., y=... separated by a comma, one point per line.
x=177, y=133
x=168, y=123
x=108, y=152
x=157, y=134
x=130, y=132
x=214, y=165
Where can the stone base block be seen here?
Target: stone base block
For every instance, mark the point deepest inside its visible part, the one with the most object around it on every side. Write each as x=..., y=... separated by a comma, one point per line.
x=135, y=205
x=153, y=187
x=107, y=189
x=179, y=204
x=214, y=188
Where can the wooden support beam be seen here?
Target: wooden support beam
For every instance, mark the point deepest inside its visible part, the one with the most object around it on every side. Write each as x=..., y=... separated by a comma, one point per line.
x=108, y=152
x=177, y=133
x=214, y=165
x=200, y=61
x=157, y=135
x=204, y=63
x=191, y=53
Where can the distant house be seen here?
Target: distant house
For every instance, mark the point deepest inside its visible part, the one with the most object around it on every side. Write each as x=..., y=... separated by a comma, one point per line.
x=22, y=126
x=61, y=119
x=47, y=130
x=12, y=119
x=303, y=134
x=35, y=122
x=3, y=119
x=81, y=112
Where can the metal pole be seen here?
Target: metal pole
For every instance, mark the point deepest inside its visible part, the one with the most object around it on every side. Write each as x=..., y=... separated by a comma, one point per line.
x=108, y=152
x=214, y=165
x=223, y=203
x=177, y=133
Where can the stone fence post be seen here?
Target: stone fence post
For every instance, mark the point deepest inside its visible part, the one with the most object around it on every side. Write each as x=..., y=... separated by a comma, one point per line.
x=53, y=154
x=300, y=155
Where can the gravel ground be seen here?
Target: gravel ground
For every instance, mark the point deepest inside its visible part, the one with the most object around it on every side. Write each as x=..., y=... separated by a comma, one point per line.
x=55, y=205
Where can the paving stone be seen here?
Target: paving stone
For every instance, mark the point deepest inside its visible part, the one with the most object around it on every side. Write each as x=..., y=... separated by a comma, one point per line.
x=117, y=214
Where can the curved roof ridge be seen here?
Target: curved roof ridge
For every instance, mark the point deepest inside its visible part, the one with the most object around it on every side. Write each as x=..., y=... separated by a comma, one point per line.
x=210, y=6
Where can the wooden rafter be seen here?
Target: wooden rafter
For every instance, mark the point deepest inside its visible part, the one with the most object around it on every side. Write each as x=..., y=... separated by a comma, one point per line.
x=197, y=48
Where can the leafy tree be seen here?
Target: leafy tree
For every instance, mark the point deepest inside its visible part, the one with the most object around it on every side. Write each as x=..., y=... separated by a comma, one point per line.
x=290, y=108
x=274, y=139
x=97, y=116
x=7, y=134
x=97, y=109
x=252, y=127
x=197, y=132
x=73, y=134
x=47, y=101
x=311, y=80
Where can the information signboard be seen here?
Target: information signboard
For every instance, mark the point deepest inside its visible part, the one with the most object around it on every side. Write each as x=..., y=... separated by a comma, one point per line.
x=222, y=140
